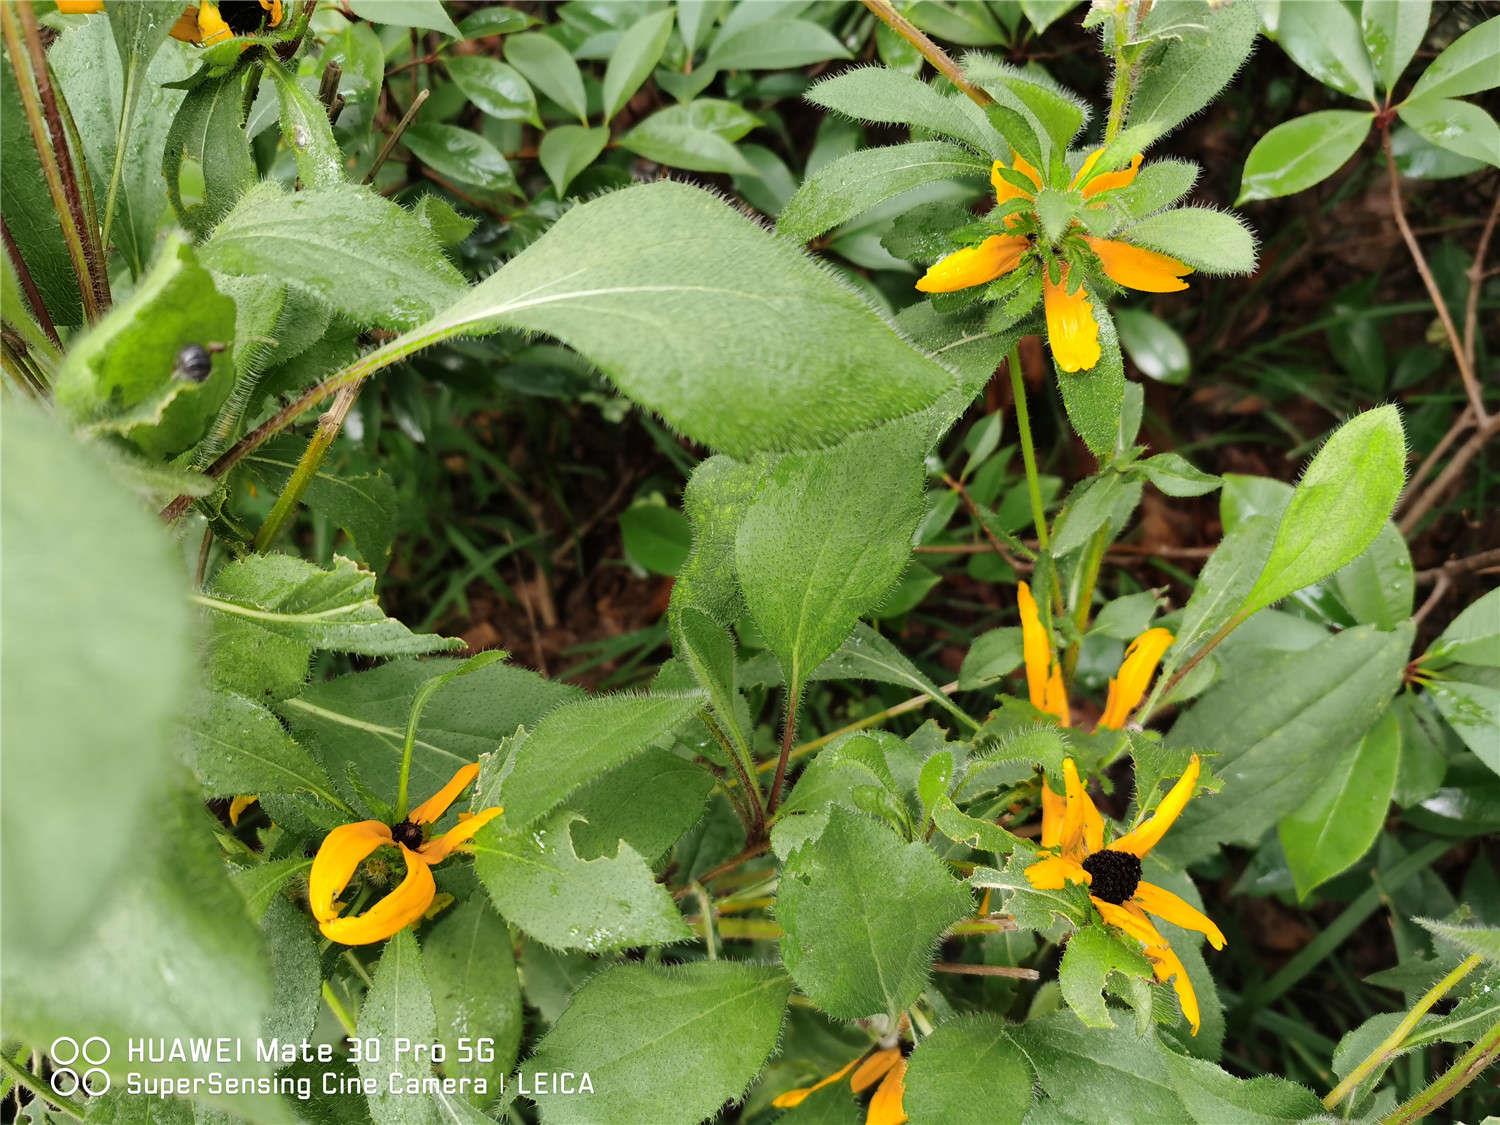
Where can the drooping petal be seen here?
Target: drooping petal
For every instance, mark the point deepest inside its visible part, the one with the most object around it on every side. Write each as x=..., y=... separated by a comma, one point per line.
x=1142, y=839
x=1083, y=827
x=436, y=805
x=1128, y=688
x=238, y=805
x=274, y=7
x=1135, y=267
x=974, y=265
x=211, y=26
x=886, y=1106
x=441, y=847
x=1053, y=806
x=79, y=7
x=1108, y=181
x=1004, y=189
x=1044, y=683
x=1056, y=871
x=186, y=27
x=1131, y=922
x=1072, y=330
x=1168, y=966
x=1172, y=908
x=339, y=856
x=397, y=910
x=875, y=1067
x=796, y=1097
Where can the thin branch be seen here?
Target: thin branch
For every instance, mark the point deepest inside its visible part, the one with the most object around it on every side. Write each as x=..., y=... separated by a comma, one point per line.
x=1449, y=476
x=1455, y=341
x=318, y=445
x=1014, y=972
x=395, y=137
x=1455, y=567
x=1464, y=420
x=1476, y=283
x=929, y=50
x=788, y=734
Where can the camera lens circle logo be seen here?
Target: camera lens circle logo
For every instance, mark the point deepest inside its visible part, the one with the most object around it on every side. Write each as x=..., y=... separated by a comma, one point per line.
x=79, y=1066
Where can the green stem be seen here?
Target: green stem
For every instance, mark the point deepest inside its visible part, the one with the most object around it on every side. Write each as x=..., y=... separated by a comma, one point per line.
x=1088, y=579
x=1119, y=97
x=1392, y=1042
x=1469, y=1066
x=38, y=1090
x=1028, y=449
x=346, y=1021
x=1164, y=687
x=329, y=426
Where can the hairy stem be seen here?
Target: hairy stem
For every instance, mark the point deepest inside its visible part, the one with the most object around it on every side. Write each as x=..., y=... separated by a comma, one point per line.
x=1392, y=1042
x=28, y=286
x=929, y=50
x=307, y=468
x=1470, y=1065
x=788, y=736
x=1028, y=449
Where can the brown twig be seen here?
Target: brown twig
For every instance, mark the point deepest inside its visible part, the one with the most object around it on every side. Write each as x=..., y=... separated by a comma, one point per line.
x=1455, y=567
x=1014, y=972
x=750, y=852
x=973, y=508
x=1449, y=476
x=1476, y=278
x=1464, y=420
x=788, y=736
x=395, y=137
x=887, y=14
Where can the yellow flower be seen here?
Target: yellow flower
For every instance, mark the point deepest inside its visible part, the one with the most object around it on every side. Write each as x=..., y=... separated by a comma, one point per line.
x=1044, y=683
x=886, y=1065
x=1073, y=837
x=203, y=24
x=237, y=807
x=346, y=847
x=1072, y=329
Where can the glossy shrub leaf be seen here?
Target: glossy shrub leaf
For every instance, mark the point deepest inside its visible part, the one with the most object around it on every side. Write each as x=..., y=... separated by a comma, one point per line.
x=1175, y=475
x=496, y=20
x=1191, y=71
x=698, y=136
x=331, y=609
x=633, y=60
x=826, y=537
x=428, y=15
x=305, y=130
x=1092, y=954
x=1156, y=348
x=581, y=741
x=1379, y=586
x=358, y=253
x=731, y=334
x=547, y=66
x=852, y=184
x=1344, y=498
x=968, y=1072
x=459, y=154
x=356, y=723
x=1469, y=64
x=1473, y=637
x=862, y=911
x=397, y=1007
x=237, y=746
x=1276, y=728
x=537, y=880
x=1473, y=711
x=104, y=616
x=1210, y=241
x=208, y=133
x=630, y=1024
x=873, y=93
x=773, y=44
x=1460, y=127
x=1302, y=152
x=567, y=150
x=1393, y=30
x=1325, y=41
x=497, y=89
x=122, y=379
x=1340, y=819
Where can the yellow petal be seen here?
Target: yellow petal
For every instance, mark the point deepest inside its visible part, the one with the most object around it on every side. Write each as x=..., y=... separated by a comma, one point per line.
x=1043, y=674
x=440, y=847
x=397, y=910
x=1149, y=834
x=1135, y=267
x=1131, y=922
x=1055, y=872
x=885, y=1107
x=211, y=26
x=339, y=856
x=1168, y=966
x=1172, y=908
x=1109, y=180
x=274, y=7
x=186, y=27
x=1071, y=328
x=436, y=805
x=1004, y=189
x=1128, y=688
x=1053, y=806
x=79, y=7
x=974, y=265
x=796, y=1097
x=1086, y=167
x=1083, y=827
x=238, y=806
x=874, y=1067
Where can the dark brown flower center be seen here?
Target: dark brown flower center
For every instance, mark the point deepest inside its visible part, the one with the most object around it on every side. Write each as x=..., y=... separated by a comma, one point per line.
x=244, y=17
x=1116, y=875
x=410, y=835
